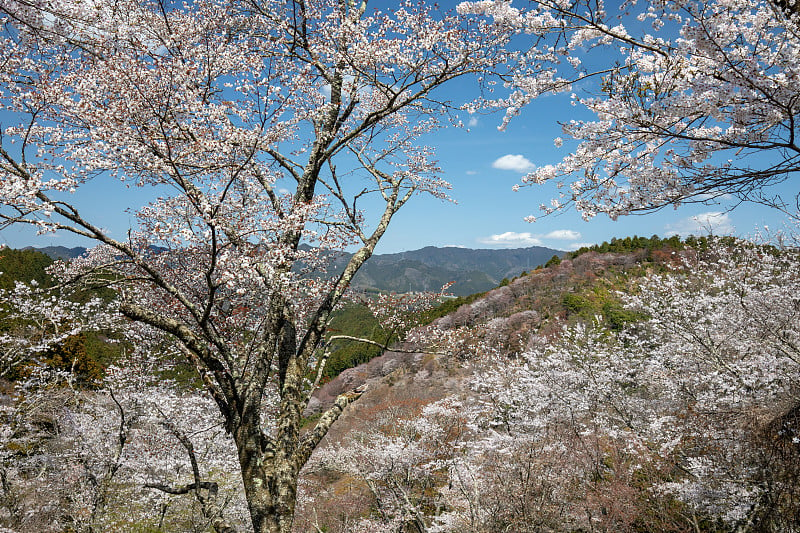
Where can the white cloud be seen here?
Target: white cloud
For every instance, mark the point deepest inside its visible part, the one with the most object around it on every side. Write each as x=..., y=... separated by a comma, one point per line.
x=563, y=234
x=511, y=238
x=710, y=222
x=712, y=198
x=576, y=245
x=473, y=121
x=471, y=172
x=515, y=162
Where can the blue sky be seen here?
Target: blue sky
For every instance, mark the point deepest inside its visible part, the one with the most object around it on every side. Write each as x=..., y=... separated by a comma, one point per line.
x=483, y=164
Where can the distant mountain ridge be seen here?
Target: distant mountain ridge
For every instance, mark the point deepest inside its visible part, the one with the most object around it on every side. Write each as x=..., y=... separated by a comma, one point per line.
x=59, y=252
x=426, y=269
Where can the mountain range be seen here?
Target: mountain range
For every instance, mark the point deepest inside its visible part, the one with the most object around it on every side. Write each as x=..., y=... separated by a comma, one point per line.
x=426, y=269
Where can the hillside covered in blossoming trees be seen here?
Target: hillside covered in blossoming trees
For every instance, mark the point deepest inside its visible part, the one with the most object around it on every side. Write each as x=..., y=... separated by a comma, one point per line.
x=649, y=391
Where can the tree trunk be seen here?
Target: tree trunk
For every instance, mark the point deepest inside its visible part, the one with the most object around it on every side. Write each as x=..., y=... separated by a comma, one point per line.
x=271, y=495
x=270, y=469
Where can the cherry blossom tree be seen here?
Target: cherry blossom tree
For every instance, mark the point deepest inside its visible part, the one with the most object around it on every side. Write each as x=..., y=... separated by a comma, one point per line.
x=401, y=457
x=119, y=458
x=694, y=100
x=272, y=134
x=40, y=318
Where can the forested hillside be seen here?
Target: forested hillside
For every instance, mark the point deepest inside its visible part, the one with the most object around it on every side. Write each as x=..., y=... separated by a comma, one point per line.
x=23, y=265
x=59, y=252
x=538, y=302
x=84, y=354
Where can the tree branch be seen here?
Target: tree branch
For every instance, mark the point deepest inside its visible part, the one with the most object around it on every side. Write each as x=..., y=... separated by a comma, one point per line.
x=311, y=439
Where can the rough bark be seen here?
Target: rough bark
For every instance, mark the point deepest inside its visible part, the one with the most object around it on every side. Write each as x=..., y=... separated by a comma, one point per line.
x=270, y=476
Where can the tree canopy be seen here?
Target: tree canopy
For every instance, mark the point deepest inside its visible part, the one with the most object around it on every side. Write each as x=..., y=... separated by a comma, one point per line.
x=259, y=126
x=693, y=100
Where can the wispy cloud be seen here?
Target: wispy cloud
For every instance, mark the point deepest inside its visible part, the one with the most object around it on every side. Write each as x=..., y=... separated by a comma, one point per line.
x=708, y=197
x=511, y=239
x=471, y=172
x=715, y=222
x=473, y=121
x=515, y=162
x=563, y=235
